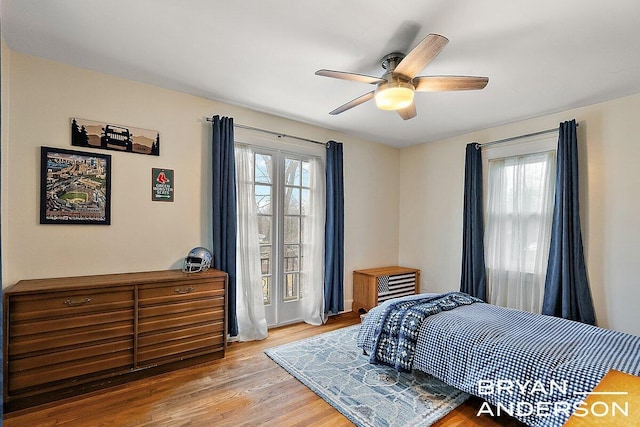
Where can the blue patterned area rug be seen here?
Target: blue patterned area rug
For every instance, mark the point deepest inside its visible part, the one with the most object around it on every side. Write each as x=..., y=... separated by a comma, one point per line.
x=369, y=395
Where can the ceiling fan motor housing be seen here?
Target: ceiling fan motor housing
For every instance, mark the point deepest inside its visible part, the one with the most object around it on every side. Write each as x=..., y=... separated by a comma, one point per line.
x=391, y=61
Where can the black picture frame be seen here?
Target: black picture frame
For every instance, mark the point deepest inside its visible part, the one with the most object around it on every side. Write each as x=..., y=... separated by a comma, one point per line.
x=75, y=187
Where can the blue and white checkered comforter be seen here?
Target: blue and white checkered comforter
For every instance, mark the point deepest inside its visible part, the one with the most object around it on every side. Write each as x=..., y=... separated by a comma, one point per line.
x=536, y=367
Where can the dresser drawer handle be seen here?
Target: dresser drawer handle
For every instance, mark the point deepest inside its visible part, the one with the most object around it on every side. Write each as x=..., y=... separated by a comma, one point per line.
x=183, y=290
x=75, y=303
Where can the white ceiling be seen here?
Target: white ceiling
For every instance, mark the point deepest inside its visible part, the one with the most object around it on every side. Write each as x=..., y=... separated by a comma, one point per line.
x=540, y=56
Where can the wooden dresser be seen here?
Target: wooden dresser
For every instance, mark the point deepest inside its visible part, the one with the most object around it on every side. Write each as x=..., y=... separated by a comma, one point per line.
x=376, y=285
x=67, y=336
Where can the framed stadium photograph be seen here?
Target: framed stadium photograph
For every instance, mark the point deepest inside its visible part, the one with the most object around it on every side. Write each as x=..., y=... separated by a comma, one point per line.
x=75, y=187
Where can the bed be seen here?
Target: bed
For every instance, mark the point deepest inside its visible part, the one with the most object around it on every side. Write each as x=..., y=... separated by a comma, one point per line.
x=536, y=368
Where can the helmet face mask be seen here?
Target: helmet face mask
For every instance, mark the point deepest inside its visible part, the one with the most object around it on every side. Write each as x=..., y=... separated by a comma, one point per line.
x=198, y=259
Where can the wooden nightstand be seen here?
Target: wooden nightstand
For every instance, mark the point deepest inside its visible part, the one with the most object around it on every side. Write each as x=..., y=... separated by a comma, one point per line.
x=376, y=285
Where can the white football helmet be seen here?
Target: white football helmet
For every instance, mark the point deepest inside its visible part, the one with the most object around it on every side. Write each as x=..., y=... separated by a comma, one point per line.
x=198, y=259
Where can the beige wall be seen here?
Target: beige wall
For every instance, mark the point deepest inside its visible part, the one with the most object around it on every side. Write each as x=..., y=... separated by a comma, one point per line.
x=431, y=186
x=418, y=226
x=4, y=127
x=146, y=235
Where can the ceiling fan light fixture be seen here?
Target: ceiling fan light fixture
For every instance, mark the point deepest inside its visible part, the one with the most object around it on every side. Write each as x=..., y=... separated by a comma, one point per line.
x=394, y=95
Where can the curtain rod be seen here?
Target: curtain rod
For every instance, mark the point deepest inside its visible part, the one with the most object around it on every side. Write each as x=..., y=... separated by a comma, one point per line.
x=278, y=134
x=500, y=141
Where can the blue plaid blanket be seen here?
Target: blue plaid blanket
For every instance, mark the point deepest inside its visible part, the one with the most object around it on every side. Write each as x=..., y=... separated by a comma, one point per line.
x=536, y=368
x=397, y=333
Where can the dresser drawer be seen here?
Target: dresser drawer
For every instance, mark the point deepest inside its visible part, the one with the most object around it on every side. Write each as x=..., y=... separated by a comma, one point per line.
x=52, y=372
x=69, y=303
x=180, y=349
x=181, y=290
x=165, y=337
x=76, y=323
x=145, y=312
x=27, y=342
x=98, y=351
x=183, y=320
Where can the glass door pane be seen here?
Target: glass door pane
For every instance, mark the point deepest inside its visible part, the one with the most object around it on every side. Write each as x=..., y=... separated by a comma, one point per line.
x=264, y=193
x=281, y=184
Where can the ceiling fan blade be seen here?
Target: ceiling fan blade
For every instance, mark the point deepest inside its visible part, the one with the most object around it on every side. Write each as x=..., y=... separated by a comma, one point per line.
x=421, y=55
x=363, y=78
x=353, y=103
x=408, y=112
x=441, y=83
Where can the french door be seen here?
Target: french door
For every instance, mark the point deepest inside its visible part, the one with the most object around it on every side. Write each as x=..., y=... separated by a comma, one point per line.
x=281, y=184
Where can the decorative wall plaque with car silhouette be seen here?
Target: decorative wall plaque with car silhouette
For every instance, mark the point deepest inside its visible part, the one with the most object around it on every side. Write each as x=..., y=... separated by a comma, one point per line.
x=108, y=136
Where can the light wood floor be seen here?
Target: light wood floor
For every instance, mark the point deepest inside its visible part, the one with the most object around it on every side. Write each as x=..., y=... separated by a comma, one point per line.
x=244, y=388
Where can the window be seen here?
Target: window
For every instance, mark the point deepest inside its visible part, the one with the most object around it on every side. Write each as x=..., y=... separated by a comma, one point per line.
x=518, y=228
x=282, y=191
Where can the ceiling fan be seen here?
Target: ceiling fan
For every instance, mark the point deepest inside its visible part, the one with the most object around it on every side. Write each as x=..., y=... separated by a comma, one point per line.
x=396, y=87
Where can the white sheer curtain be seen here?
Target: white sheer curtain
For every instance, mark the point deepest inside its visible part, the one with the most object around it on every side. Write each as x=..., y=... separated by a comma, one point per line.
x=252, y=324
x=518, y=229
x=312, y=303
